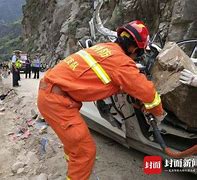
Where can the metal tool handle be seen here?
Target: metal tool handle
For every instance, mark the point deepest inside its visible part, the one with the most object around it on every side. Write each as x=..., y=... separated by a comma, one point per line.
x=156, y=131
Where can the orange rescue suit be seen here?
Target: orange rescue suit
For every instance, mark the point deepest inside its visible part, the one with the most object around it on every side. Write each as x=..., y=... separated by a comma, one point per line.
x=75, y=77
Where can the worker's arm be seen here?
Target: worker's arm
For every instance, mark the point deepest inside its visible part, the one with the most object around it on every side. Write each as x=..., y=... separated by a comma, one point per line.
x=130, y=80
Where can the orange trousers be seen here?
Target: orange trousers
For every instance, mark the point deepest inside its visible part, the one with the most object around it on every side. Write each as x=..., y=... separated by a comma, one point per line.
x=70, y=127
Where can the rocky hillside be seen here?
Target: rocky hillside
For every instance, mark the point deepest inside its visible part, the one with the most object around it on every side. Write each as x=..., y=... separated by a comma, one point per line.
x=53, y=27
x=10, y=27
x=9, y=39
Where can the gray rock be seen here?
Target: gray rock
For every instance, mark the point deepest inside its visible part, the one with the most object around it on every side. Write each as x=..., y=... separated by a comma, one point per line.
x=34, y=114
x=2, y=109
x=60, y=178
x=17, y=166
x=54, y=176
x=1, y=102
x=176, y=97
x=23, y=178
x=31, y=158
x=81, y=32
x=20, y=171
x=183, y=15
x=42, y=176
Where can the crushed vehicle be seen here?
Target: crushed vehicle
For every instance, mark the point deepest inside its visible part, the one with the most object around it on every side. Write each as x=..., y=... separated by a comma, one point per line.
x=119, y=117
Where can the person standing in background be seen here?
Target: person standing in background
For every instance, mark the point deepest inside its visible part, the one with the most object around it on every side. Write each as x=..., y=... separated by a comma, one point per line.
x=15, y=68
x=36, y=67
x=27, y=68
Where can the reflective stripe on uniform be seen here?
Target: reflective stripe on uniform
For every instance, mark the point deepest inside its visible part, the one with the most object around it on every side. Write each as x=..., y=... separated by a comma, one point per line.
x=154, y=103
x=67, y=178
x=66, y=157
x=93, y=64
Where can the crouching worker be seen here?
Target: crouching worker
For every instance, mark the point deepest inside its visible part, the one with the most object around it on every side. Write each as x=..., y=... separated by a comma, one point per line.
x=88, y=75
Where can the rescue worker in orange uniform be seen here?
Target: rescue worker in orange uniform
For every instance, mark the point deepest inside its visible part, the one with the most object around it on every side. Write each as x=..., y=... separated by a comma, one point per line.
x=88, y=75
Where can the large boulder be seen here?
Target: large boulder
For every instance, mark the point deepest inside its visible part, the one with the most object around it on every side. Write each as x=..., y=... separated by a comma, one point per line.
x=179, y=99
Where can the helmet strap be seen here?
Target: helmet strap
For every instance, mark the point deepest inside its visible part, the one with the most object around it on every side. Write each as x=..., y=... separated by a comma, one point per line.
x=133, y=49
x=125, y=44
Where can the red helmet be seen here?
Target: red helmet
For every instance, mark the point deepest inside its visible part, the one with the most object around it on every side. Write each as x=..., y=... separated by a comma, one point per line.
x=138, y=31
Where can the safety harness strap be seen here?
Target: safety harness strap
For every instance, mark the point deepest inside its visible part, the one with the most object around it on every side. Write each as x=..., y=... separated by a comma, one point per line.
x=154, y=103
x=93, y=64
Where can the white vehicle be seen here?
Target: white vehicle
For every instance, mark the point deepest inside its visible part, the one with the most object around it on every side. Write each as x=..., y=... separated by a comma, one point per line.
x=117, y=117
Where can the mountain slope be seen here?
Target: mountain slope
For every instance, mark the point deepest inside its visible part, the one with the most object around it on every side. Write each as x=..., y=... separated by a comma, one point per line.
x=54, y=26
x=10, y=10
x=10, y=27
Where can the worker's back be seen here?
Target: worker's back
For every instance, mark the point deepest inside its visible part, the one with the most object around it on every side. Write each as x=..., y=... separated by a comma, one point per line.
x=75, y=76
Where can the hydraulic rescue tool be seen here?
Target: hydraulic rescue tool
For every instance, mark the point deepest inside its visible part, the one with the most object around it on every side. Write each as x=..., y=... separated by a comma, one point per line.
x=188, y=152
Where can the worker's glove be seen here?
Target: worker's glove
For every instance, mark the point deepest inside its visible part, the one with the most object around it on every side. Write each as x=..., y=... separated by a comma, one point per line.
x=189, y=78
x=160, y=118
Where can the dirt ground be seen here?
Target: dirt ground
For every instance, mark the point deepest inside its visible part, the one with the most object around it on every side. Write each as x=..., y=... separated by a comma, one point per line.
x=29, y=150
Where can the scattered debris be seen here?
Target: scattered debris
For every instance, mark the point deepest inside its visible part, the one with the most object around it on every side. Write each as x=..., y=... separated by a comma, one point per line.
x=26, y=134
x=1, y=113
x=43, y=143
x=1, y=102
x=20, y=171
x=43, y=129
x=2, y=109
x=30, y=122
x=41, y=125
x=17, y=166
x=22, y=133
x=34, y=114
x=42, y=176
x=2, y=96
x=31, y=158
